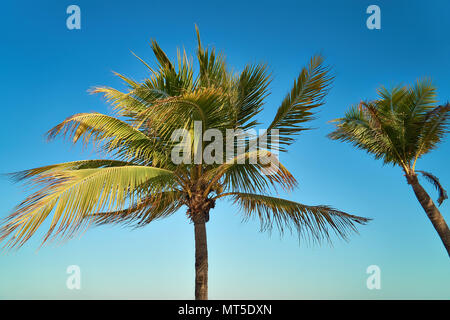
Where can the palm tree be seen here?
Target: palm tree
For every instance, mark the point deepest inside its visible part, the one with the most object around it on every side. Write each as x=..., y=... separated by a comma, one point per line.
x=401, y=126
x=141, y=183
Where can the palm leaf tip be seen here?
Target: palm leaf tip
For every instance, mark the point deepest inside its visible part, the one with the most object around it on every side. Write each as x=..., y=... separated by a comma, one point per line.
x=161, y=56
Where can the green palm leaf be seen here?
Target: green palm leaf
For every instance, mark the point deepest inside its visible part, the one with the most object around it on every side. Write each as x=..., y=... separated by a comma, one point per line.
x=73, y=195
x=151, y=208
x=307, y=94
x=311, y=222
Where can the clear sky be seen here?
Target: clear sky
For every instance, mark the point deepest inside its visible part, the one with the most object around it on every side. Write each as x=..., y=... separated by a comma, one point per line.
x=46, y=70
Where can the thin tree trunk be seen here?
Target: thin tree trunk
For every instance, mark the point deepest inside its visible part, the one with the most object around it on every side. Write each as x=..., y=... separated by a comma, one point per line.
x=432, y=211
x=201, y=258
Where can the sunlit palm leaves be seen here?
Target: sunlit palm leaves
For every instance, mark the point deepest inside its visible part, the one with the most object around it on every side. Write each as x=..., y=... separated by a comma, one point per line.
x=251, y=91
x=141, y=183
x=399, y=127
x=308, y=93
x=75, y=195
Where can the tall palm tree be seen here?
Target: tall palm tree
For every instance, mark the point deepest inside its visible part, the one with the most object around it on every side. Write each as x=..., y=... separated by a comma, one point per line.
x=401, y=126
x=141, y=182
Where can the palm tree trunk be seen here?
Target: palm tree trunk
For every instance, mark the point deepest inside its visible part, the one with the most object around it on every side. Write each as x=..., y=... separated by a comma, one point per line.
x=201, y=258
x=431, y=210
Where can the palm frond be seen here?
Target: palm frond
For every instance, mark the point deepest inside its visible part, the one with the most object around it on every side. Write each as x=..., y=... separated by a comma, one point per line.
x=126, y=104
x=151, y=208
x=311, y=222
x=359, y=129
x=433, y=129
x=307, y=94
x=251, y=92
x=249, y=172
x=111, y=133
x=388, y=129
x=72, y=165
x=161, y=56
x=72, y=195
x=212, y=67
x=435, y=182
x=206, y=105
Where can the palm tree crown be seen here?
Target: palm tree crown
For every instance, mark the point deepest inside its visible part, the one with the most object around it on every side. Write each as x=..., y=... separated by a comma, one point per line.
x=140, y=182
x=399, y=127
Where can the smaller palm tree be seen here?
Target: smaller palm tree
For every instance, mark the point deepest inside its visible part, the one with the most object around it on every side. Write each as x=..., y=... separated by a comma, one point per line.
x=400, y=127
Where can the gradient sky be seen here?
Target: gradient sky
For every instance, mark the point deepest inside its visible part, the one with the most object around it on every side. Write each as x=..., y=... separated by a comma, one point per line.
x=46, y=70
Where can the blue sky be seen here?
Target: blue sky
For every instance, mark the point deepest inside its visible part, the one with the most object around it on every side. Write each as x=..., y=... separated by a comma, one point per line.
x=46, y=70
